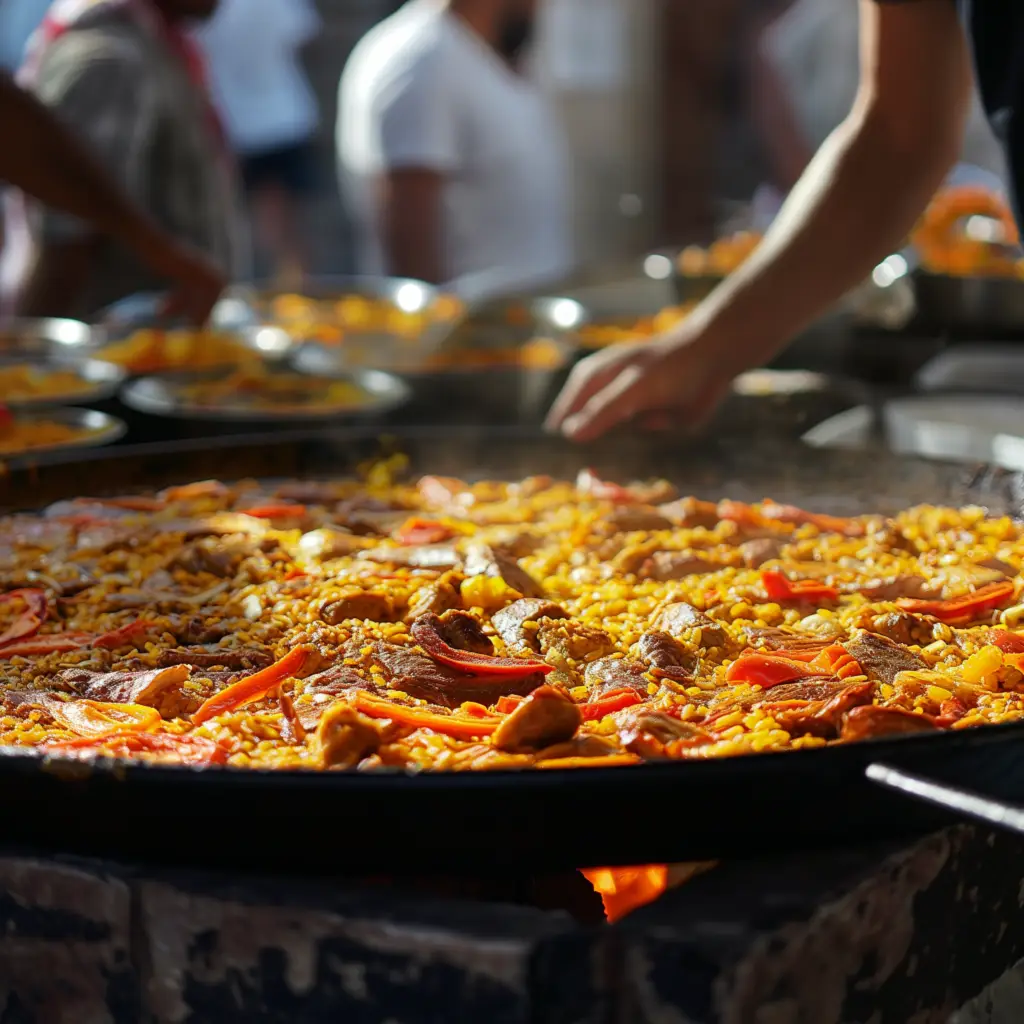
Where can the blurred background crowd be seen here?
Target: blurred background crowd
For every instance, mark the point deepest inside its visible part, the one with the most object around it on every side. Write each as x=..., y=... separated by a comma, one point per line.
x=483, y=144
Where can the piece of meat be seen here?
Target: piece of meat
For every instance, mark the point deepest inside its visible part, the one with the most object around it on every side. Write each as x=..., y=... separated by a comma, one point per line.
x=423, y=556
x=887, y=534
x=897, y=587
x=367, y=605
x=344, y=737
x=214, y=557
x=419, y=676
x=689, y=513
x=329, y=542
x=586, y=745
x=666, y=657
x=158, y=688
x=238, y=659
x=222, y=524
x=681, y=619
x=546, y=717
x=760, y=550
x=999, y=566
x=607, y=674
x=435, y=598
x=510, y=623
x=870, y=722
x=464, y=632
x=823, y=718
x=635, y=518
x=901, y=627
x=197, y=630
x=484, y=560
x=336, y=681
x=785, y=641
x=807, y=690
x=664, y=566
x=881, y=658
x=572, y=639
x=646, y=733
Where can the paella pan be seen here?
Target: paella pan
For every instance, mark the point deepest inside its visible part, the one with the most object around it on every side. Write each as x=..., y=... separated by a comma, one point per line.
x=501, y=648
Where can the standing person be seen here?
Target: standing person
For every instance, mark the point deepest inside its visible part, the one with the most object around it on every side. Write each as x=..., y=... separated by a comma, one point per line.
x=855, y=204
x=18, y=20
x=126, y=78
x=49, y=164
x=452, y=161
x=253, y=50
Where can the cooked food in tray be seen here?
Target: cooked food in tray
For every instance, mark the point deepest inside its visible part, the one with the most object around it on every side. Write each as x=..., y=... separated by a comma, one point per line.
x=533, y=624
x=27, y=382
x=23, y=434
x=598, y=335
x=157, y=351
x=255, y=388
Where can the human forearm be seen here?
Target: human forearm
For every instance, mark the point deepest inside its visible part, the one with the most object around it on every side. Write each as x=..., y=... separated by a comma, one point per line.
x=49, y=164
x=855, y=204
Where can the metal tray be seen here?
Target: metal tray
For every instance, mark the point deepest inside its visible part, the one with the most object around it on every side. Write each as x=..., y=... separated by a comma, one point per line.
x=738, y=807
x=48, y=338
x=103, y=430
x=973, y=305
x=100, y=380
x=161, y=395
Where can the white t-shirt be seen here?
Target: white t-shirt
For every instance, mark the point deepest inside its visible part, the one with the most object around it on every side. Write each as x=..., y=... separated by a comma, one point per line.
x=252, y=49
x=422, y=90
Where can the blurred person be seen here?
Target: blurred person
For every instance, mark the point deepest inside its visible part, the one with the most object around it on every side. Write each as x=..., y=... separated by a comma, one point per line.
x=125, y=77
x=18, y=21
x=854, y=205
x=49, y=164
x=452, y=161
x=253, y=50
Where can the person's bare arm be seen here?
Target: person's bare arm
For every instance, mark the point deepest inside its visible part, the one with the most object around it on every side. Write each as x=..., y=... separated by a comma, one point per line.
x=43, y=159
x=857, y=201
x=409, y=205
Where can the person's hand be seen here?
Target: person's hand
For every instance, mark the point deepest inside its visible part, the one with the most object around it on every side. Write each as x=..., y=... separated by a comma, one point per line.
x=195, y=282
x=676, y=381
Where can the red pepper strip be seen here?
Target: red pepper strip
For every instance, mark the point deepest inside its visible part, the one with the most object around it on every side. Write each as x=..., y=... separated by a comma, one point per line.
x=506, y=705
x=190, y=492
x=779, y=587
x=295, y=574
x=30, y=619
x=6, y=418
x=252, y=687
x=962, y=609
x=1014, y=661
x=614, y=700
x=767, y=671
x=132, y=503
x=52, y=643
x=838, y=662
x=422, y=531
x=189, y=750
x=798, y=516
x=426, y=634
x=96, y=718
x=590, y=483
x=950, y=711
x=125, y=635
x=740, y=512
x=441, y=491
x=275, y=511
x=1011, y=643
x=449, y=725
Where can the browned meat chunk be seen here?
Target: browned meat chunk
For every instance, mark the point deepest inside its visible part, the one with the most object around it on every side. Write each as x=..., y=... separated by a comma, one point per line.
x=484, y=560
x=664, y=566
x=239, y=659
x=146, y=688
x=422, y=677
x=822, y=718
x=902, y=627
x=881, y=658
x=897, y=587
x=335, y=681
x=344, y=737
x=198, y=630
x=869, y=722
x=647, y=732
x=608, y=674
x=997, y=565
x=889, y=535
x=763, y=549
x=785, y=641
x=681, y=620
x=666, y=657
x=580, y=746
x=434, y=598
x=464, y=632
x=633, y=518
x=690, y=513
x=546, y=717
x=362, y=604
x=808, y=690
x=213, y=556
x=511, y=623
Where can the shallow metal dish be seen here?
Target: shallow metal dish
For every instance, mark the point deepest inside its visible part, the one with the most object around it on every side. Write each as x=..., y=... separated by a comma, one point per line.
x=48, y=338
x=162, y=395
x=103, y=429
x=100, y=380
x=969, y=304
x=137, y=312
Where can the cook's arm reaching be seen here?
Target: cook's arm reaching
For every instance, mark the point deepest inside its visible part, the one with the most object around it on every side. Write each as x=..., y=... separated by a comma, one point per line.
x=857, y=201
x=43, y=159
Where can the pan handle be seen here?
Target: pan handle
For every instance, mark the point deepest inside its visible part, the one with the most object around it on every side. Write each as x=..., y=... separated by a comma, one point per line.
x=938, y=794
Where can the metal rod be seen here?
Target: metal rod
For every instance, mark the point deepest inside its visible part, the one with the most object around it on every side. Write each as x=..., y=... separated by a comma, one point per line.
x=959, y=801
